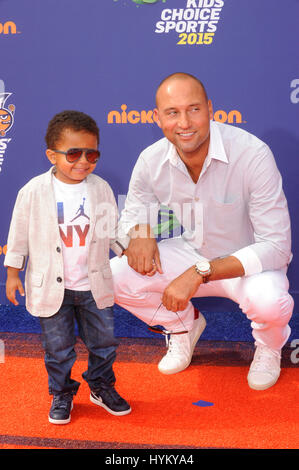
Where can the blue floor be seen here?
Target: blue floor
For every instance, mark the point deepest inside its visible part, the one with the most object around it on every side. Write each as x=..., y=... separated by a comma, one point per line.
x=225, y=322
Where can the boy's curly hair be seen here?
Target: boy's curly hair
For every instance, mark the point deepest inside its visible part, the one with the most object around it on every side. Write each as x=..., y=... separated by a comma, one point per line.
x=75, y=120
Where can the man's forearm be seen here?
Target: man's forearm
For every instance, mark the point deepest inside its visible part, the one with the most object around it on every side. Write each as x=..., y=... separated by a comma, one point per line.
x=183, y=288
x=141, y=231
x=226, y=268
x=221, y=268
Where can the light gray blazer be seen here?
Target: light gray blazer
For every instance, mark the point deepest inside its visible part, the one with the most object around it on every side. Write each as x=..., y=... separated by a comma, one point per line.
x=34, y=234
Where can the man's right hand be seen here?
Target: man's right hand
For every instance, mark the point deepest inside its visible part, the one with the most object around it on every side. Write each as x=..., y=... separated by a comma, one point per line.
x=143, y=252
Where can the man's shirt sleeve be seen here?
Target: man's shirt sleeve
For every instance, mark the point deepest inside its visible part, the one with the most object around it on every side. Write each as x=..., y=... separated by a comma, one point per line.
x=269, y=215
x=141, y=206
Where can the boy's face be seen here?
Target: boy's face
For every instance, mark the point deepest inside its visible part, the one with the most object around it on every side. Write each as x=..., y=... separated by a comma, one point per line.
x=72, y=173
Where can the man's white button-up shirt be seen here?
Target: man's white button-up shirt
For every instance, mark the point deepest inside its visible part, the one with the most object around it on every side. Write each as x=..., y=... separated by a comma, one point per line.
x=237, y=207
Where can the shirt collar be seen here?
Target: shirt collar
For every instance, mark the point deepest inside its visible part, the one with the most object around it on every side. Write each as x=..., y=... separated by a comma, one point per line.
x=216, y=148
x=173, y=155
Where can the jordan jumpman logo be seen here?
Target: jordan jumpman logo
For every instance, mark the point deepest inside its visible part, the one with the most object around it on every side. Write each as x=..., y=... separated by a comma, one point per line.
x=80, y=211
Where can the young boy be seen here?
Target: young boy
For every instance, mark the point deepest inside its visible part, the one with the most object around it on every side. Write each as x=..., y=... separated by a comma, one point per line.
x=61, y=223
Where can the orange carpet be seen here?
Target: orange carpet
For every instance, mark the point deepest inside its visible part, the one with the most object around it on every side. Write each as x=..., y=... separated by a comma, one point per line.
x=166, y=411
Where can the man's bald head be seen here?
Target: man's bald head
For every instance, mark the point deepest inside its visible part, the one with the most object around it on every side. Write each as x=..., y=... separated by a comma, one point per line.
x=176, y=77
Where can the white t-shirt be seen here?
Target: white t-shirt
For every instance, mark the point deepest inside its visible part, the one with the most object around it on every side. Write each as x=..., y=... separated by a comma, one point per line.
x=73, y=220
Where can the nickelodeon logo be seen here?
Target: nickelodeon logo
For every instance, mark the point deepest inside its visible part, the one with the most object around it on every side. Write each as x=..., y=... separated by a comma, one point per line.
x=147, y=117
x=9, y=27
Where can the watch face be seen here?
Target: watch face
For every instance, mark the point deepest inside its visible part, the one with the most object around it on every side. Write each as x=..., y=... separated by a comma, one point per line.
x=203, y=266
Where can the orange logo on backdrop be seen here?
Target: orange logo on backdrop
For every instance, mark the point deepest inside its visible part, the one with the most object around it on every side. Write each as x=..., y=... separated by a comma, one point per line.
x=9, y=27
x=147, y=117
x=3, y=249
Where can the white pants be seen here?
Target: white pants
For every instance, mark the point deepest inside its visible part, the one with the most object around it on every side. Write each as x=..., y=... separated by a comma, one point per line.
x=263, y=297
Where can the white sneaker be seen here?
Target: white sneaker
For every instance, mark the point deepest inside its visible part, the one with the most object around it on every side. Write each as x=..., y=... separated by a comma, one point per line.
x=181, y=347
x=265, y=368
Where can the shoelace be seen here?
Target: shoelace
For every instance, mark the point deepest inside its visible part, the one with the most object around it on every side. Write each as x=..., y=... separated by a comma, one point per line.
x=174, y=345
x=62, y=401
x=265, y=360
x=109, y=392
x=166, y=333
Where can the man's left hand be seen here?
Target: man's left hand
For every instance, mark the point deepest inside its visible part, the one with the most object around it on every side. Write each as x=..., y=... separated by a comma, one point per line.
x=178, y=293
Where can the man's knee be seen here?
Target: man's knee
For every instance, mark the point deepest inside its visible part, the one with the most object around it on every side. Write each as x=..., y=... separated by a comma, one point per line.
x=117, y=265
x=266, y=299
x=119, y=268
x=127, y=283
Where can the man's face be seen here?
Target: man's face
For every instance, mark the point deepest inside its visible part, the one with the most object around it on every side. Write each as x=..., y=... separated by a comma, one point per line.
x=183, y=113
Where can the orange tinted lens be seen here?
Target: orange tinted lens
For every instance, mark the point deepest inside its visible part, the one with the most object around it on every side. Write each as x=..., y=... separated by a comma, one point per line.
x=73, y=155
x=92, y=155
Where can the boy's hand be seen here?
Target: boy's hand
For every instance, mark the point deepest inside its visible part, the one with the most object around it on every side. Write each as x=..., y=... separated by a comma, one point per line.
x=13, y=283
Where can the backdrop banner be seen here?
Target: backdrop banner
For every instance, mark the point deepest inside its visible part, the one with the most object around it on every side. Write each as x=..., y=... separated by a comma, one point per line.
x=107, y=57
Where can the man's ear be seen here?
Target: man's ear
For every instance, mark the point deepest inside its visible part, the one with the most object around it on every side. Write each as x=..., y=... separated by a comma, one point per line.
x=51, y=156
x=156, y=117
x=210, y=105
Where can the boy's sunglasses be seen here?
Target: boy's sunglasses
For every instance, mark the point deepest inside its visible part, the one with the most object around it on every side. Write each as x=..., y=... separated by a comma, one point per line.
x=72, y=155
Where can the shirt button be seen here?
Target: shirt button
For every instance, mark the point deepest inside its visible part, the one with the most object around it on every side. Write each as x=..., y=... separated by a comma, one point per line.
x=58, y=249
x=59, y=279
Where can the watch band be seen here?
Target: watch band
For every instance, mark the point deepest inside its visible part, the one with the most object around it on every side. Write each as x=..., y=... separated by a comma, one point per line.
x=205, y=278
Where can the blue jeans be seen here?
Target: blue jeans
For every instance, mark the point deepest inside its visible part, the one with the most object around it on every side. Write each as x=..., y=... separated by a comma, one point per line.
x=95, y=328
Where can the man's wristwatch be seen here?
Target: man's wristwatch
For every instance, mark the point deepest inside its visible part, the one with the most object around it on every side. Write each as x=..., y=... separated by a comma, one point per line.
x=204, y=269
